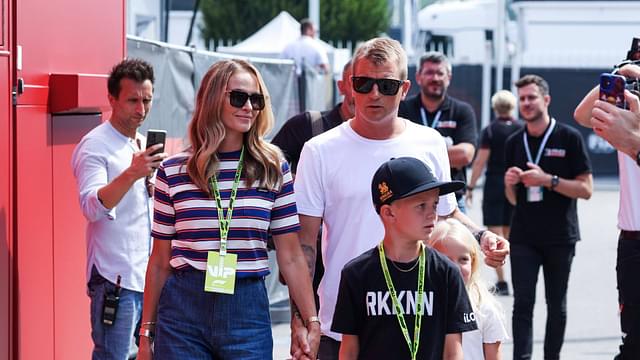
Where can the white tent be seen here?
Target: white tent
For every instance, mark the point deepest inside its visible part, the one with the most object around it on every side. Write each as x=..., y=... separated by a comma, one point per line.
x=271, y=39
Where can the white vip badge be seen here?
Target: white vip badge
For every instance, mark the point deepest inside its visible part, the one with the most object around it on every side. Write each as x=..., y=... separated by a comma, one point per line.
x=534, y=193
x=221, y=273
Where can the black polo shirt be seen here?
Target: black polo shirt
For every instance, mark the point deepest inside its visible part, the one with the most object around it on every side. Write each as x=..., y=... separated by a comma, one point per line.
x=554, y=220
x=457, y=121
x=297, y=130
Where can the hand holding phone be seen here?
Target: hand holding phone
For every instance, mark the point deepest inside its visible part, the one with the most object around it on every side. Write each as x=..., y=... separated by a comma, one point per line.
x=612, y=89
x=156, y=137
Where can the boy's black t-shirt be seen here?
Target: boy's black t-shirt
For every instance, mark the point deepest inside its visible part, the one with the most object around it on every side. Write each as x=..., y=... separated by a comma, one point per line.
x=554, y=220
x=364, y=307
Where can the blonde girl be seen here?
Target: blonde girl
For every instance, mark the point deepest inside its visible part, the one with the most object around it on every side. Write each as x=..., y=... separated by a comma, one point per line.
x=453, y=239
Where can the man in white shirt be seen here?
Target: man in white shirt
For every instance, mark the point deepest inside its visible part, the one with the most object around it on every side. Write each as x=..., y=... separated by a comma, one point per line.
x=333, y=182
x=621, y=128
x=112, y=173
x=307, y=50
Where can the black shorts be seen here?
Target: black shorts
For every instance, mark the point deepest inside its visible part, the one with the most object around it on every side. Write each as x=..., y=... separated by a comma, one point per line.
x=496, y=209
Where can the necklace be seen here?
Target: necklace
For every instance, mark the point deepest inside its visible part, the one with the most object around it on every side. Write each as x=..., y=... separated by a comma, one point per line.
x=403, y=270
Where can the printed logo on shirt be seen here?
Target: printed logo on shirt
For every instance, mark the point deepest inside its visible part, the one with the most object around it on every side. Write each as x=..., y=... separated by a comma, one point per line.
x=469, y=317
x=449, y=124
x=559, y=153
x=379, y=303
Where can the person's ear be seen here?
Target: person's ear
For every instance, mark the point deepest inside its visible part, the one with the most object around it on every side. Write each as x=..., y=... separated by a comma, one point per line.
x=387, y=212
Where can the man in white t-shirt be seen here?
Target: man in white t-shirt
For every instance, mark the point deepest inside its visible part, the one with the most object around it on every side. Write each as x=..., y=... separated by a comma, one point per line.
x=621, y=128
x=307, y=50
x=336, y=168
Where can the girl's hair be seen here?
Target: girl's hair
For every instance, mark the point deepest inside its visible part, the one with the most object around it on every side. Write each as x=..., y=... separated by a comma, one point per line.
x=451, y=230
x=262, y=161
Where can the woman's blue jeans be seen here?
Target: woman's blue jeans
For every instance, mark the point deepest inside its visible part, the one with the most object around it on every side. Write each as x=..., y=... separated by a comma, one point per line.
x=194, y=324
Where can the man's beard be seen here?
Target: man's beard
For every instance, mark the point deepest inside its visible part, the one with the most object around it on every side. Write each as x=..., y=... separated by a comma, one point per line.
x=535, y=117
x=432, y=95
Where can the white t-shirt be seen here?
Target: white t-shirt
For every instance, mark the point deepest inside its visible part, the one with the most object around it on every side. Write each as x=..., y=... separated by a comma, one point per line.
x=334, y=182
x=490, y=330
x=306, y=50
x=629, y=210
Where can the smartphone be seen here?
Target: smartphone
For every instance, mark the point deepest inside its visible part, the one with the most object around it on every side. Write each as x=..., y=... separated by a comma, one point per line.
x=612, y=89
x=156, y=137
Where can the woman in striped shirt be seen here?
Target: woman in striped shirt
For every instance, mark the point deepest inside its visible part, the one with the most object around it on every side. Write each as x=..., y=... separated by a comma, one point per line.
x=214, y=205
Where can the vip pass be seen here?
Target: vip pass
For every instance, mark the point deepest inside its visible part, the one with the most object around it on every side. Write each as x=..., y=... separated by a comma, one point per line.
x=221, y=267
x=413, y=345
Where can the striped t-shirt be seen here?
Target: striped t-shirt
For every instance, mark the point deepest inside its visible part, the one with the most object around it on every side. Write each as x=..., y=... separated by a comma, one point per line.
x=188, y=217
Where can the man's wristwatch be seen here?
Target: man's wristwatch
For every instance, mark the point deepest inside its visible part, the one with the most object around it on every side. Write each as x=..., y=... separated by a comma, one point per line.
x=555, y=180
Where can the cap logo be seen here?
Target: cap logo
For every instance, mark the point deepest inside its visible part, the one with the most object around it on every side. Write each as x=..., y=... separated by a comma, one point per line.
x=385, y=192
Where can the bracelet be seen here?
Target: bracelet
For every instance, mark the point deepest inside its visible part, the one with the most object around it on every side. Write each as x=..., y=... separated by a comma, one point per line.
x=478, y=235
x=151, y=323
x=312, y=319
x=470, y=188
x=146, y=333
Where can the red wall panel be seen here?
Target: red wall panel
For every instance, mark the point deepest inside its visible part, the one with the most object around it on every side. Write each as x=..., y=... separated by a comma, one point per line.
x=63, y=37
x=35, y=233
x=69, y=36
x=71, y=305
x=6, y=208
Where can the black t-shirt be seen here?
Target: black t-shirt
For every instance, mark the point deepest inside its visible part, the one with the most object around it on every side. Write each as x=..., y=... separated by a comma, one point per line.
x=554, y=220
x=364, y=306
x=297, y=130
x=457, y=121
x=493, y=138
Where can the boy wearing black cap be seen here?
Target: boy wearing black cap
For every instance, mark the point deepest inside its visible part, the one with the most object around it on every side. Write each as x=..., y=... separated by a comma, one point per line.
x=379, y=290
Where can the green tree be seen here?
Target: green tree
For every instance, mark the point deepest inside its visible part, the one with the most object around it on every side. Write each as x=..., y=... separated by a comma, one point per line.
x=354, y=20
x=237, y=19
x=341, y=20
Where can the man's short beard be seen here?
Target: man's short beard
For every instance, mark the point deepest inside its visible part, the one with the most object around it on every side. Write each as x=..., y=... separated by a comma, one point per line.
x=433, y=96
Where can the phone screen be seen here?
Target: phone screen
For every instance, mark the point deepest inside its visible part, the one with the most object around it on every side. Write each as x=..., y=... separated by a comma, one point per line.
x=156, y=137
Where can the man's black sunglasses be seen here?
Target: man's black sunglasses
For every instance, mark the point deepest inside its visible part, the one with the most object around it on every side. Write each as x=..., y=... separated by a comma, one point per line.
x=363, y=85
x=239, y=98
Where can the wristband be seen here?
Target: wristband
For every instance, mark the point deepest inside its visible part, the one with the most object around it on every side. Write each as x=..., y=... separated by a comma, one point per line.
x=146, y=333
x=149, y=323
x=312, y=319
x=478, y=235
x=470, y=188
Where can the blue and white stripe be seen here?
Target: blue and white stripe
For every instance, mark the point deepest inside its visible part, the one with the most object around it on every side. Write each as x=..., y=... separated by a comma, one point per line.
x=186, y=215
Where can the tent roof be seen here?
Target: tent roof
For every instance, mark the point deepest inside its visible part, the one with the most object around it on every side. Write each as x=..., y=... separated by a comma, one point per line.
x=271, y=39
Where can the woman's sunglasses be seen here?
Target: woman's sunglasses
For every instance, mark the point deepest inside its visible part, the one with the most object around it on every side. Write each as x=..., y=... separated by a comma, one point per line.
x=363, y=85
x=239, y=98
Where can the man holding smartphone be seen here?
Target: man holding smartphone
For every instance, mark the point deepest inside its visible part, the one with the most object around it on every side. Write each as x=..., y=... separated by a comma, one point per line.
x=111, y=170
x=621, y=128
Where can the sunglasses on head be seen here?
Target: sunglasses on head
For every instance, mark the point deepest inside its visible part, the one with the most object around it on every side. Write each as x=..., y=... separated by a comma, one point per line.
x=239, y=98
x=363, y=85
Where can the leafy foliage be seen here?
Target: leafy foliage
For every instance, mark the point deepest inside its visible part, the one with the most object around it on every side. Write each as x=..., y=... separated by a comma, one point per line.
x=354, y=20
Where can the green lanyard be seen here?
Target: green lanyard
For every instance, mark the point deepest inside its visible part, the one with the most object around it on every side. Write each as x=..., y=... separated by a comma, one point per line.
x=224, y=222
x=413, y=346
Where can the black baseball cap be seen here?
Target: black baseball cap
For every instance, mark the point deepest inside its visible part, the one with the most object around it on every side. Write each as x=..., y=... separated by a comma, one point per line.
x=405, y=176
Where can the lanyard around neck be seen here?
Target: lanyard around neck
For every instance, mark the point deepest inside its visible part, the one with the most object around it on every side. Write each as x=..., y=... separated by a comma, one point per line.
x=423, y=115
x=413, y=346
x=542, y=144
x=224, y=222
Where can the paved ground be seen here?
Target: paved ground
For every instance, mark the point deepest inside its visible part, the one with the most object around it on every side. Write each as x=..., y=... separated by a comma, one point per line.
x=592, y=326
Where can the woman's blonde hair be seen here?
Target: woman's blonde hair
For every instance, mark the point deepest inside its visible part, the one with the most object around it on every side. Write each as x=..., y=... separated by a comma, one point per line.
x=262, y=160
x=450, y=230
